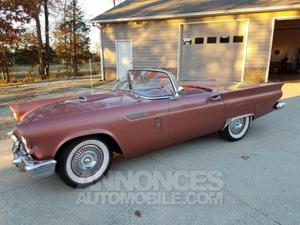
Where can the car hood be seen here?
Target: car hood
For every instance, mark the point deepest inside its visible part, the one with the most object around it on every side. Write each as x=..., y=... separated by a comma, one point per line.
x=68, y=106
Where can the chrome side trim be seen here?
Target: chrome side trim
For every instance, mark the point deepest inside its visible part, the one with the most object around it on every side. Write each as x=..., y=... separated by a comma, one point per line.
x=153, y=98
x=237, y=117
x=139, y=115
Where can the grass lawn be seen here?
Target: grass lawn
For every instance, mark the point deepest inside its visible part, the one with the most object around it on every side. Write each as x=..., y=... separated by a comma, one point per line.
x=28, y=74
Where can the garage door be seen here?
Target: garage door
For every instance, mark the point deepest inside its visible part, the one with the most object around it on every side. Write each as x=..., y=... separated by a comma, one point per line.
x=213, y=51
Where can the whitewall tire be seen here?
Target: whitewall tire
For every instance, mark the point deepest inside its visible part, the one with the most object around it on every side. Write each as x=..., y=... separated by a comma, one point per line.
x=236, y=129
x=83, y=161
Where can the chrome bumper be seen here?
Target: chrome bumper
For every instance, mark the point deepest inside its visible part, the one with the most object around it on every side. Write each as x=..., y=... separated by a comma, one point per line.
x=279, y=105
x=26, y=163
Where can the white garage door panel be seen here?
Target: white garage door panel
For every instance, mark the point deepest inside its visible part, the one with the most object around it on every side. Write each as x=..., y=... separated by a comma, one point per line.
x=221, y=61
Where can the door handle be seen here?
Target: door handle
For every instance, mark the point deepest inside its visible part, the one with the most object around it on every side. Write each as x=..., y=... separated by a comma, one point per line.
x=216, y=97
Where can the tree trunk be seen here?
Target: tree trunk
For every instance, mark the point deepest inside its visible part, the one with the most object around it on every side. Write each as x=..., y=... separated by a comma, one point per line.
x=4, y=61
x=5, y=72
x=41, y=49
x=67, y=67
x=7, y=76
x=69, y=51
x=47, y=45
x=66, y=58
x=2, y=71
x=74, y=58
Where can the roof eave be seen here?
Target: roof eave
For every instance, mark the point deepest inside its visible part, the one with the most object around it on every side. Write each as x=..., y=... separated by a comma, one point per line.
x=197, y=14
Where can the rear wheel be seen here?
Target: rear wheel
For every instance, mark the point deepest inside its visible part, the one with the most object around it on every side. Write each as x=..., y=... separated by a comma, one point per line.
x=83, y=162
x=236, y=129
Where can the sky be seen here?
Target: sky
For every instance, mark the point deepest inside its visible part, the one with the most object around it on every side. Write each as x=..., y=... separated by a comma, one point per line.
x=93, y=8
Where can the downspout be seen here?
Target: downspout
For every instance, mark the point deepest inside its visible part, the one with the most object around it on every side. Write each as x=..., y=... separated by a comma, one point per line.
x=102, y=75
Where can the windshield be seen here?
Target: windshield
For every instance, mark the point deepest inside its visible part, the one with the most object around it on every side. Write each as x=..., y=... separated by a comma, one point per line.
x=147, y=83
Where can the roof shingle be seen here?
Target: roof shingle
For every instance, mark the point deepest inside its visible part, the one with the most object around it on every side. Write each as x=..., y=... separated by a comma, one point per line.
x=151, y=8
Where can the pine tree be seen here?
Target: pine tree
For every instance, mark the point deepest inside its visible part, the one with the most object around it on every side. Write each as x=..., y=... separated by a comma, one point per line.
x=71, y=37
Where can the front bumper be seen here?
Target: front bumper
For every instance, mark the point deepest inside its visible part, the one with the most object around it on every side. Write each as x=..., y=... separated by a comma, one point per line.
x=26, y=163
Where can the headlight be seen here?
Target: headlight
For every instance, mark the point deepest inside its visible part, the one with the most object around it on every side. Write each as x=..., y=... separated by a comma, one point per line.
x=24, y=145
x=16, y=143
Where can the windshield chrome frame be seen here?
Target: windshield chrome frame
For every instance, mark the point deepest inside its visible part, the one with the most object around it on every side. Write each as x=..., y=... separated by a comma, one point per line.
x=169, y=74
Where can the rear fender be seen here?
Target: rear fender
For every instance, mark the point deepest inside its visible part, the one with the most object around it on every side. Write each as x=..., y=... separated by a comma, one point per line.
x=258, y=100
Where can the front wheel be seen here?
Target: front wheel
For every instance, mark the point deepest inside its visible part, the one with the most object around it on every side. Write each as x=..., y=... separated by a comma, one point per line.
x=83, y=162
x=236, y=129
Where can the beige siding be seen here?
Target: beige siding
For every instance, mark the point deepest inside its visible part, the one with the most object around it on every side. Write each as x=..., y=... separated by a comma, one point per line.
x=155, y=43
x=260, y=31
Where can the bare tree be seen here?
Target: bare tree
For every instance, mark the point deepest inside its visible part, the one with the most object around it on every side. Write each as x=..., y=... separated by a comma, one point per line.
x=65, y=39
x=47, y=39
x=33, y=7
x=41, y=48
x=74, y=55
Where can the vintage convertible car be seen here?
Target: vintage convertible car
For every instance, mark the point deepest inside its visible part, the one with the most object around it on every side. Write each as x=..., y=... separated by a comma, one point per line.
x=147, y=110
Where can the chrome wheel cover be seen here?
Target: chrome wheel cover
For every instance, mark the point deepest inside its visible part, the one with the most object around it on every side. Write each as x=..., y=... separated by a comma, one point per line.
x=87, y=160
x=237, y=126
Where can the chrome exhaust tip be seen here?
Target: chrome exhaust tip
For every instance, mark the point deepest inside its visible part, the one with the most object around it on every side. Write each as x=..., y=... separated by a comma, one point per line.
x=280, y=105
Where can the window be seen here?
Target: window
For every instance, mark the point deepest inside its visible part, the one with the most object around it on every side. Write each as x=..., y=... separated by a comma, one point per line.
x=238, y=39
x=187, y=41
x=211, y=40
x=150, y=84
x=199, y=40
x=224, y=39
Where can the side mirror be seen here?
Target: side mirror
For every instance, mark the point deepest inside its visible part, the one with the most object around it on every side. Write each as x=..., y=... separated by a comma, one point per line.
x=179, y=91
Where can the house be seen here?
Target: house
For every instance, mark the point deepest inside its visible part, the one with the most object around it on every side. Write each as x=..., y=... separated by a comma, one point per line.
x=227, y=40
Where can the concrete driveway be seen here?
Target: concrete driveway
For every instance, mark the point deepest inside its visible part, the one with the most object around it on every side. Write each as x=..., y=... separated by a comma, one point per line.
x=260, y=176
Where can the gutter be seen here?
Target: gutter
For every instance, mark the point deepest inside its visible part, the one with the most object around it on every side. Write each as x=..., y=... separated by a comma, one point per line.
x=198, y=14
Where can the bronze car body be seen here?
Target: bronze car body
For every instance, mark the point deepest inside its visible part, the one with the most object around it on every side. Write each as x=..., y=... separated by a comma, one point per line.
x=138, y=124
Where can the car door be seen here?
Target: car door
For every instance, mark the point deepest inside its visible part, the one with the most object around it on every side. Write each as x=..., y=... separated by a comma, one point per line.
x=194, y=115
x=143, y=128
